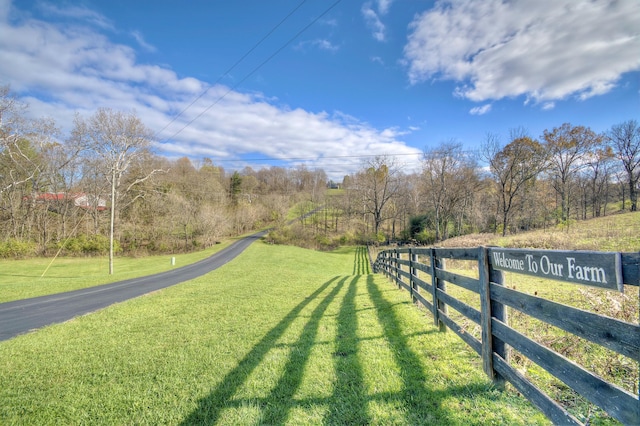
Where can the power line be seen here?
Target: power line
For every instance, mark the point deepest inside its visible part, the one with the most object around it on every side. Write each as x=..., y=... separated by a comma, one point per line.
x=318, y=158
x=255, y=69
x=437, y=154
x=230, y=68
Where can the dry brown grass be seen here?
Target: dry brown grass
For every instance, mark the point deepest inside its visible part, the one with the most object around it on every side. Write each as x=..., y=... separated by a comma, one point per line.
x=619, y=232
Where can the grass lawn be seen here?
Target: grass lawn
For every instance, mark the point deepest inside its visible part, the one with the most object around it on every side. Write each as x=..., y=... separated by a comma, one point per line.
x=281, y=335
x=21, y=279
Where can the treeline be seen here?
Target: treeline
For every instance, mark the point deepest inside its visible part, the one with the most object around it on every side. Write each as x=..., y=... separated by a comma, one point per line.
x=101, y=189
x=520, y=183
x=102, y=182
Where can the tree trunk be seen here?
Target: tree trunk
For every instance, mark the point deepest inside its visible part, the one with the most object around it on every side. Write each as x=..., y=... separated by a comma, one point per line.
x=113, y=219
x=504, y=223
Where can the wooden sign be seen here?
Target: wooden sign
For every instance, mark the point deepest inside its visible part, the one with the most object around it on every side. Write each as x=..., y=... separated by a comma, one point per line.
x=599, y=269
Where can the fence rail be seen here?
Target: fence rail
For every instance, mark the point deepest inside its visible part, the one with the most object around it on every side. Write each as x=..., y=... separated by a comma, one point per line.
x=610, y=271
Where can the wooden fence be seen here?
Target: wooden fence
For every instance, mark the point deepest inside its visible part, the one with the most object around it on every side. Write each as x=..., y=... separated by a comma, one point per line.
x=606, y=270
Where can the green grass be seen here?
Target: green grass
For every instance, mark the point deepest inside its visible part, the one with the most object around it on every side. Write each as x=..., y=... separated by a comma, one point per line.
x=281, y=335
x=615, y=368
x=21, y=279
x=620, y=232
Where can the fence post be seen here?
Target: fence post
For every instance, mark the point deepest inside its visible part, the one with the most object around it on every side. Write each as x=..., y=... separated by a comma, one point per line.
x=398, y=277
x=499, y=312
x=485, y=312
x=488, y=309
x=389, y=258
x=385, y=264
x=437, y=283
x=413, y=273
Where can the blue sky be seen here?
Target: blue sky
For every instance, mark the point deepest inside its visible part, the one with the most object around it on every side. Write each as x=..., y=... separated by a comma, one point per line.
x=331, y=82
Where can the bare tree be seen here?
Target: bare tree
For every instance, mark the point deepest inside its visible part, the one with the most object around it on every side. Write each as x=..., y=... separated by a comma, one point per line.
x=19, y=164
x=377, y=185
x=118, y=140
x=568, y=147
x=513, y=167
x=448, y=178
x=625, y=138
x=24, y=170
x=598, y=171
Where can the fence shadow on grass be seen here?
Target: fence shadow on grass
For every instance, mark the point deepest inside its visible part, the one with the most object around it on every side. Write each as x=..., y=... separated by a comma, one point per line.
x=280, y=401
x=351, y=399
x=423, y=402
x=361, y=262
x=210, y=407
x=349, y=389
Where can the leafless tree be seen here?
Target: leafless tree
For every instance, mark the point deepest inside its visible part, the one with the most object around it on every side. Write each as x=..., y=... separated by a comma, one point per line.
x=378, y=184
x=117, y=140
x=25, y=168
x=19, y=162
x=597, y=173
x=625, y=139
x=568, y=147
x=513, y=167
x=449, y=177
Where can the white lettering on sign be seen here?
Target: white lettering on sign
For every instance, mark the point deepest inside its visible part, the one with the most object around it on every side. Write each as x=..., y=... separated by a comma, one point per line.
x=586, y=273
x=598, y=269
x=560, y=268
x=507, y=262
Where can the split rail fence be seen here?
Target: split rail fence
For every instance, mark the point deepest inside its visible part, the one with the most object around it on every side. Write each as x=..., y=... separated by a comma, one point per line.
x=606, y=270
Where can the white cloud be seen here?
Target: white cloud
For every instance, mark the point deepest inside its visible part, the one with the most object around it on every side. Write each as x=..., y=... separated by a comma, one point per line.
x=383, y=6
x=546, y=50
x=5, y=6
x=372, y=11
x=481, y=110
x=63, y=69
x=77, y=12
x=142, y=42
x=330, y=22
x=320, y=43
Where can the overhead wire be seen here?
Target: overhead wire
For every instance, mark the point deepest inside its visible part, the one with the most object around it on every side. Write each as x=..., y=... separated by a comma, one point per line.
x=255, y=69
x=319, y=158
x=225, y=73
x=435, y=153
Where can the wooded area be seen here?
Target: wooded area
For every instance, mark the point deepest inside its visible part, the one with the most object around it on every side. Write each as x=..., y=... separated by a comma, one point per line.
x=102, y=180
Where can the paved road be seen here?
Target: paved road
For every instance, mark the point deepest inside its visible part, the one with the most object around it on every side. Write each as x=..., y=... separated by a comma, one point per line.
x=21, y=316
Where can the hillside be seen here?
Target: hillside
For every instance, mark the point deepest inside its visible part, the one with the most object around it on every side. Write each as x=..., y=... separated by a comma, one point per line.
x=620, y=232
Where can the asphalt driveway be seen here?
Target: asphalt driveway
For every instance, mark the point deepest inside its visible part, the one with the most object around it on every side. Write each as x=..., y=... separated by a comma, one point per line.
x=21, y=316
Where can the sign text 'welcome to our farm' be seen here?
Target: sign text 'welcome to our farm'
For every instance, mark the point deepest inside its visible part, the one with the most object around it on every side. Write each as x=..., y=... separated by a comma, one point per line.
x=600, y=269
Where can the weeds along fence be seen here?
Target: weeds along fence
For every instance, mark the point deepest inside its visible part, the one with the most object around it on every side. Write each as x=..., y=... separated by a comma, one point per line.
x=610, y=271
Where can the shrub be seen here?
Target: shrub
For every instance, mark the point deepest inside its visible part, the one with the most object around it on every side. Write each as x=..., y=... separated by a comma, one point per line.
x=426, y=236
x=347, y=239
x=87, y=245
x=14, y=248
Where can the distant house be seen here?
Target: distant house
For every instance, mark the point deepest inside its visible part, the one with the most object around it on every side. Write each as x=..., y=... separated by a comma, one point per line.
x=79, y=199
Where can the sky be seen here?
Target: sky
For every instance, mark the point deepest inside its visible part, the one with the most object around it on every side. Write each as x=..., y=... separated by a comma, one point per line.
x=324, y=83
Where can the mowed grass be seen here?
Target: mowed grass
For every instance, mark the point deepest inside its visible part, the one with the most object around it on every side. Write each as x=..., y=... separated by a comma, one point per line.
x=617, y=369
x=280, y=335
x=620, y=232
x=22, y=279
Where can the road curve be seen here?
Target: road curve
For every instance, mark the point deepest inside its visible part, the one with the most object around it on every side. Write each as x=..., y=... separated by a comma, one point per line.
x=21, y=316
